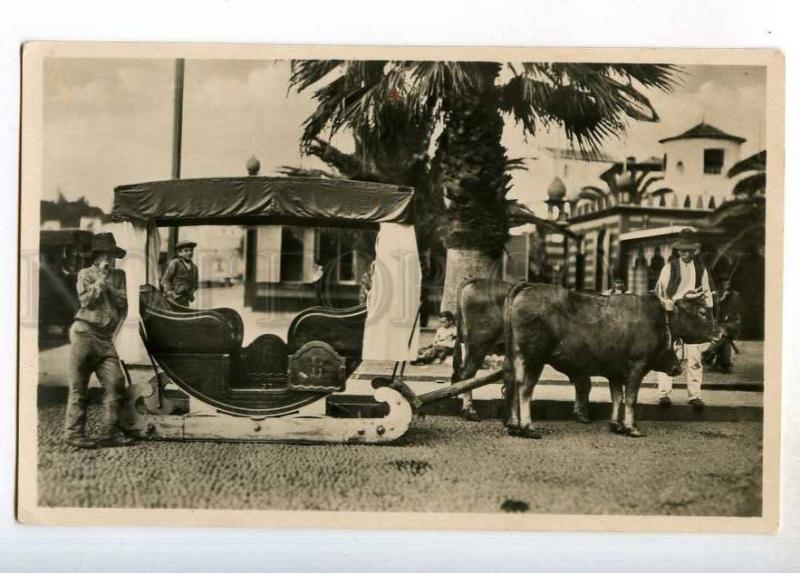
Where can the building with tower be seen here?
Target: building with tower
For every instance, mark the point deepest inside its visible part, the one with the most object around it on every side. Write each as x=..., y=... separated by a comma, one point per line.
x=623, y=223
x=699, y=159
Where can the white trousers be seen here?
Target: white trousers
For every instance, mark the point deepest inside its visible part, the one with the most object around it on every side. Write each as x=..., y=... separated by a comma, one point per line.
x=692, y=365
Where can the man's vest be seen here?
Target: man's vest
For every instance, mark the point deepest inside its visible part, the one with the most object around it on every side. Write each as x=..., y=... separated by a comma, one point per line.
x=675, y=275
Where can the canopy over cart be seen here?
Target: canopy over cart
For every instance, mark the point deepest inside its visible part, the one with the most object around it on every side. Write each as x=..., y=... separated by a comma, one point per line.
x=263, y=200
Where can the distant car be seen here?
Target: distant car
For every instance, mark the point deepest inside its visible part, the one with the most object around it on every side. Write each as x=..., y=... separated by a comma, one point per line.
x=61, y=255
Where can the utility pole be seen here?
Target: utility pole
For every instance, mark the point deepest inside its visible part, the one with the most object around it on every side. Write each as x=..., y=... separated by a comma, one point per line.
x=177, y=141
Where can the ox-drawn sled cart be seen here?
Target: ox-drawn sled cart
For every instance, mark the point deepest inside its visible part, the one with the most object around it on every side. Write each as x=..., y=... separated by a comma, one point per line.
x=263, y=391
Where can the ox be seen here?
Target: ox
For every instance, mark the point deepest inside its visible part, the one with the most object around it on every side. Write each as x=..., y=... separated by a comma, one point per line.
x=480, y=322
x=479, y=318
x=580, y=334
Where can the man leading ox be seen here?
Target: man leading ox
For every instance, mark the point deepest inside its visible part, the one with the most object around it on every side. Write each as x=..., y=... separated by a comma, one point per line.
x=685, y=277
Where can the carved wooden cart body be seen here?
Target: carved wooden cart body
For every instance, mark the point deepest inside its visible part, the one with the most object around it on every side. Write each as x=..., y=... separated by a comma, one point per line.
x=261, y=391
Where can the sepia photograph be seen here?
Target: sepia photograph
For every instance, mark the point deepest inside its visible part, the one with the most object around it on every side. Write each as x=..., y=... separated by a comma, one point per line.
x=501, y=289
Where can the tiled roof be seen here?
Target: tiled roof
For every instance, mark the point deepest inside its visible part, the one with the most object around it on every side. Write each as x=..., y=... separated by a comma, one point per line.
x=704, y=131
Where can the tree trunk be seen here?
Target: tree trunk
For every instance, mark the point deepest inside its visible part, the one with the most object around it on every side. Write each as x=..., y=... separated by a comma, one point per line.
x=470, y=169
x=463, y=264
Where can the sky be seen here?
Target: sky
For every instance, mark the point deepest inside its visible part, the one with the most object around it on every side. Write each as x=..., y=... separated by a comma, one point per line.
x=109, y=122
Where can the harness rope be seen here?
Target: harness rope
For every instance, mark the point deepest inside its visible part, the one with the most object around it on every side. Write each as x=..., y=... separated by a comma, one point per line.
x=669, y=330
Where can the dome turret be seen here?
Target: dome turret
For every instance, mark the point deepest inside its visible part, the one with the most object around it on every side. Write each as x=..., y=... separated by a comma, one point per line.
x=556, y=191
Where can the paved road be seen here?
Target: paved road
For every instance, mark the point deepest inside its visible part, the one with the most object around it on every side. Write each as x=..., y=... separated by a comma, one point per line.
x=442, y=464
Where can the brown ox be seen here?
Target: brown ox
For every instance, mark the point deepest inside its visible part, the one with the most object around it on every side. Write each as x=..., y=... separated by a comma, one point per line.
x=480, y=320
x=579, y=334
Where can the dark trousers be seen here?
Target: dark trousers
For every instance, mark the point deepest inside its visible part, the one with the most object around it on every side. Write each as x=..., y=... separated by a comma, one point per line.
x=90, y=353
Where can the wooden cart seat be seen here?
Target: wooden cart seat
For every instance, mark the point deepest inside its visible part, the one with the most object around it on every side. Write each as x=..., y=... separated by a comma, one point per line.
x=172, y=329
x=201, y=351
x=341, y=328
x=262, y=363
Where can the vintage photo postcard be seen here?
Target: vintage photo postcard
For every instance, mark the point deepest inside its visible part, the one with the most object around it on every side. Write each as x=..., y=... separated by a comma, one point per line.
x=400, y=288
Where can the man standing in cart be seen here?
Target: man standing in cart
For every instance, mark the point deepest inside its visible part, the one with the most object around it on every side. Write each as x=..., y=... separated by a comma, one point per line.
x=179, y=282
x=103, y=307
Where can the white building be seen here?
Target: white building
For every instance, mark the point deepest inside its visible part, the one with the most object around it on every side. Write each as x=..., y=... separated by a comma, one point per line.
x=573, y=169
x=625, y=218
x=697, y=161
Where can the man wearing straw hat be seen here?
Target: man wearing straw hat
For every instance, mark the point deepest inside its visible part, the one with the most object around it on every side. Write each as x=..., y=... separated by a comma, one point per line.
x=179, y=282
x=685, y=276
x=103, y=306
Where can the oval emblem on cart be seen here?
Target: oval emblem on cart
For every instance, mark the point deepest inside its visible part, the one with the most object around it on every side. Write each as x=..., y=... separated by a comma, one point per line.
x=316, y=367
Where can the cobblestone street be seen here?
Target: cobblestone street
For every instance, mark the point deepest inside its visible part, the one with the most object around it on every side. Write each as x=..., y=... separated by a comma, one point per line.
x=685, y=466
x=441, y=464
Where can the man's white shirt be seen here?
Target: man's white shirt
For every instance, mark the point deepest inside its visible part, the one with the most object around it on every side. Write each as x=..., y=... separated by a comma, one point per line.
x=686, y=285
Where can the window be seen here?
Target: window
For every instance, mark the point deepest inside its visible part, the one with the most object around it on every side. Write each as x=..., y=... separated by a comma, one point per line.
x=679, y=167
x=346, y=254
x=713, y=159
x=346, y=261
x=291, y=254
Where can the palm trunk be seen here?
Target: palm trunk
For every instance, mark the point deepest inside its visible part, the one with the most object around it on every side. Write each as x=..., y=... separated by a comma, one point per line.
x=470, y=166
x=464, y=264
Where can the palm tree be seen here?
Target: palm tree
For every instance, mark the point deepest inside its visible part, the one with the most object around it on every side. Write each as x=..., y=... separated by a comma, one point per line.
x=744, y=221
x=468, y=100
x=629, y=182
x=744, y=217
x=754, y=169
x=394, y=149
x=396, y=152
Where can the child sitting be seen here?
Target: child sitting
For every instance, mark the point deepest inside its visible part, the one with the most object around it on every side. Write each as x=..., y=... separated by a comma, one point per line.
x=443, y=342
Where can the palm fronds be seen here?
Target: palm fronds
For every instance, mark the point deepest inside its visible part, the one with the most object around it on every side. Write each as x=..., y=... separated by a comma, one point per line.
x=756, y=181
x=388, y=103
x=589, y=101
x=755, y=162
x=291, y=171
x=751, y=185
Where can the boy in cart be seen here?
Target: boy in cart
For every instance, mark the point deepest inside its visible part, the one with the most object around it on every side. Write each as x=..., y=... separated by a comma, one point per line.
x=103, y=306
x=179, y=282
